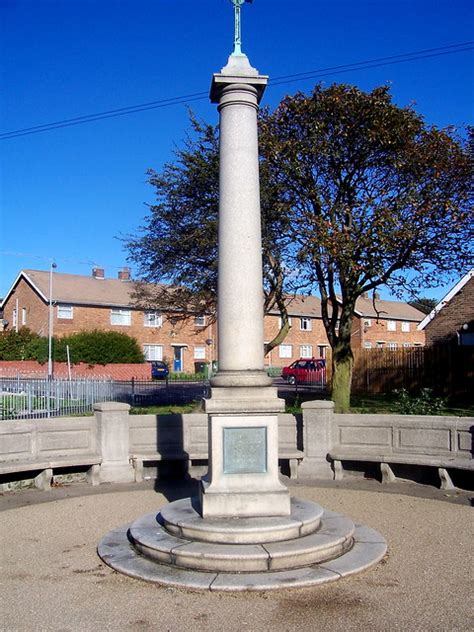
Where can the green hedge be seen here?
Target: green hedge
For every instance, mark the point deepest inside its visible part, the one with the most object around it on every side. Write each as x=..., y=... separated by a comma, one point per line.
x=92, y=347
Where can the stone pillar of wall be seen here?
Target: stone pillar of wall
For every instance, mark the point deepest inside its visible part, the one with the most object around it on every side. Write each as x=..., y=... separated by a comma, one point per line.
x=114, y=441
x=317, y=422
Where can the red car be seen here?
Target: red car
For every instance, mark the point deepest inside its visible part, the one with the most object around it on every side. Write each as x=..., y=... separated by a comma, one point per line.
x=305, y=371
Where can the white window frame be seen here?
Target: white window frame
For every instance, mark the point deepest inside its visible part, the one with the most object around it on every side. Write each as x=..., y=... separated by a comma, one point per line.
x=65, y=312
x=367, y=345
x=306, y=351
x=14, y=318
x=405, y=326
x=367, y=322
x=23, y=315
x=200, y=352
x=124, y=315
x=306, y=324
x=152, y=319
x=285, y=351
x=280, y=321
x=200, y=321
x=392, y=345
x=391, y=325
x=407, y=345
x=380, y=344
x=153, y=353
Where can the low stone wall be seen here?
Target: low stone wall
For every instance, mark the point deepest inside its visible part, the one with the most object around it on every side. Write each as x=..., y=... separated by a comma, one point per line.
x=46, y=439
x=319, y=441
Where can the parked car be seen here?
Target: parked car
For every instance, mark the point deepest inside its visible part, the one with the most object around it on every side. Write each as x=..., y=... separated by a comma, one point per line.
x=305, y=371
x=159, y=371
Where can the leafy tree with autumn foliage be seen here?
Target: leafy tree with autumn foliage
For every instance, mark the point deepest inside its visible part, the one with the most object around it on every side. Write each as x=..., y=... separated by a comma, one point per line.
x=355, y=193
x=374, y=197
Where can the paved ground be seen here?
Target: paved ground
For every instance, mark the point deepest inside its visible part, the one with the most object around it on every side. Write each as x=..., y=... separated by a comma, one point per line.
x=53, y=580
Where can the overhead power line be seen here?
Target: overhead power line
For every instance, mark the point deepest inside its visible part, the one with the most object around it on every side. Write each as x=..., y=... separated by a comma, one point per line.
x=197, y=96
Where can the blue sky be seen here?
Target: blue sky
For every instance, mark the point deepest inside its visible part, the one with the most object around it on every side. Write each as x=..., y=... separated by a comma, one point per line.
x=68, y=194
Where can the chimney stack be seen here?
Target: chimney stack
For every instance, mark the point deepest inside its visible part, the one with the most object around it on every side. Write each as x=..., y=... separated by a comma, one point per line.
x=124, y=274
x=98, y=273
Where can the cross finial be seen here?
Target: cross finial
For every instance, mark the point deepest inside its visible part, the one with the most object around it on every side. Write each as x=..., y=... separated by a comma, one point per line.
x=237, y=28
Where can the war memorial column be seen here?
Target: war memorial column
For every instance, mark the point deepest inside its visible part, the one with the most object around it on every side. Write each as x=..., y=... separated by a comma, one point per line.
x=243, y=477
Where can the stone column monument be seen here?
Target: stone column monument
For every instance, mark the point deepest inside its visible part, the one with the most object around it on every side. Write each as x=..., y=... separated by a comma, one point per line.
x=243, y=532
x=243, y=424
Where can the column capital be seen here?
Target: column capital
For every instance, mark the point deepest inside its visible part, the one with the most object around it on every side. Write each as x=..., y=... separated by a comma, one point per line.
x=237, y=71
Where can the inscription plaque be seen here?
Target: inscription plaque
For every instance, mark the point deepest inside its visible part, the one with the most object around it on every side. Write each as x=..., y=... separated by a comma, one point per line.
x=245, y=450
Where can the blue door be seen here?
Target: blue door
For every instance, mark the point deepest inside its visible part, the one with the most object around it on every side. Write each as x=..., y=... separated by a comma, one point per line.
x=178, y=359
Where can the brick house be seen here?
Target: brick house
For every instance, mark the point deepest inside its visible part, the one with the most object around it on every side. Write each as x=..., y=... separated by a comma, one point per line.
x=95, y=302
x=86, y=303
x=452, y=320
x=390, y=324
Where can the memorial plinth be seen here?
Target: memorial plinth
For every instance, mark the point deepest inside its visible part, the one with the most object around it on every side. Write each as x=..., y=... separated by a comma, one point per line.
x=243, y=478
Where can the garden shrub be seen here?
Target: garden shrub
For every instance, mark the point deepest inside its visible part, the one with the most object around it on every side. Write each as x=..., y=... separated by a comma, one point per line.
x=91, y=347
x=425, y=403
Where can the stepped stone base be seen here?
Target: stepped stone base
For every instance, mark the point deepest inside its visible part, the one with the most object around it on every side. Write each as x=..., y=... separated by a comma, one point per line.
x=176, y=547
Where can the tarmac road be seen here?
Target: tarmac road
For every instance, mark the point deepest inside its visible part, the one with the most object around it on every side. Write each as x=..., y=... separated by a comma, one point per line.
x=53, y=580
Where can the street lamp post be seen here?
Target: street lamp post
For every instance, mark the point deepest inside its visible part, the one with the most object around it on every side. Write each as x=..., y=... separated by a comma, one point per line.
x=50, y=321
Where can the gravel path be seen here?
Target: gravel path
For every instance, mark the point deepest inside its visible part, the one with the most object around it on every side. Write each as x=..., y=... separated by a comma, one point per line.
x=53, y=580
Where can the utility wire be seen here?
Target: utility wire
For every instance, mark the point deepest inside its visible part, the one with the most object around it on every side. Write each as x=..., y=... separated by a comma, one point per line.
x=197, y=96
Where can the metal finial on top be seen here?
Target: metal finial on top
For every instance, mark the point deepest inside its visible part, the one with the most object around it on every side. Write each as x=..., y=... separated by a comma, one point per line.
x=237, y=26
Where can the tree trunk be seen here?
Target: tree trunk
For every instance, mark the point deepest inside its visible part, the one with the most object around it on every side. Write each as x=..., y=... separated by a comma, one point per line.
x=342, y=363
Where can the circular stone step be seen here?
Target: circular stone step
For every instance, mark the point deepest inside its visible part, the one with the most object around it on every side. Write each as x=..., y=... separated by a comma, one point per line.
x=152, y=540
x=368, y=548
x=181, y=518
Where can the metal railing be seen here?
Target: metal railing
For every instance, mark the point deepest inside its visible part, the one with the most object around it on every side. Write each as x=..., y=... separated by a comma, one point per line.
x=36, y=398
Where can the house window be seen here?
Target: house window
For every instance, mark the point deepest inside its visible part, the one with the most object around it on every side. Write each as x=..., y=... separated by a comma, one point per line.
x=285, y=351
x=305, y=324
x=367, y=322
x=153, y=353
x=65, y=311
x=120, y=317
x=200, y=321
x=407, y=345
x=405, y=326
x=14, y=318
x=280, y=322
x=380, y=344
x=322, y=350
x=391, y=325
x=367, y=345
x=392, y=345
x=199, y=353
x=306, y=351
x=152, y=319
x=23, y=315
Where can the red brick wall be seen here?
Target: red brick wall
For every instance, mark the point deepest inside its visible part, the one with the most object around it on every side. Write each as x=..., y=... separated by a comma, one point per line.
x=317, y=337
x=30, y=368
x=378, y=331
x=296, y=337
x=452, y=317
x=36, y=309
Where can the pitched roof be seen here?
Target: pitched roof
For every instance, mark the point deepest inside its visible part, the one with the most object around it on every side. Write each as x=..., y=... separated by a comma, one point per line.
x=446, y=299
x=78, y=289
x=395, y=310
x=310, y=306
